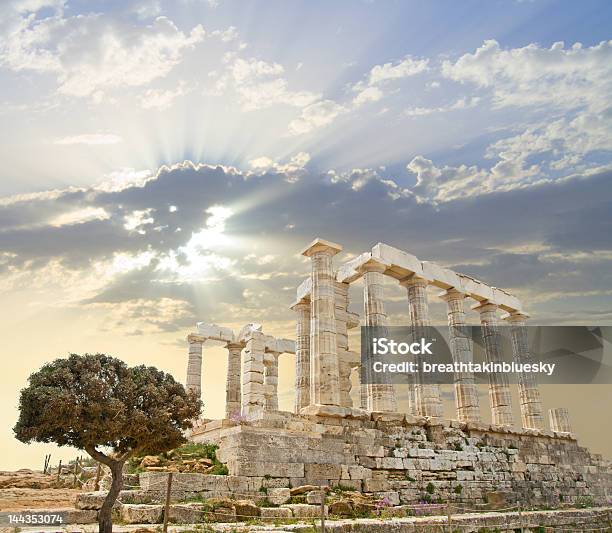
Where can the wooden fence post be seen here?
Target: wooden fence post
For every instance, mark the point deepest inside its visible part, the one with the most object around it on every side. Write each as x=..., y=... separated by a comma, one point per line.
x=167, y=506
x=322, y=509
x=59, y=470
x=97, y=481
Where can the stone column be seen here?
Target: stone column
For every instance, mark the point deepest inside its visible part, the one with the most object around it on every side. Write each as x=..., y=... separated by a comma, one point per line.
x=194, y=365
x=271, y=381
x=345, y=357
x=466, y=394
x=253, y=376
x=425, y=396
x=232, y=390
x=302, y=355
x=500, y=398
x=324, y=375
x=529, y=394
x=381, y=396
x=559, y=420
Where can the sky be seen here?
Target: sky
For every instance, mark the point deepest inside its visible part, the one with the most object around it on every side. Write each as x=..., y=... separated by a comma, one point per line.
x=164, y=162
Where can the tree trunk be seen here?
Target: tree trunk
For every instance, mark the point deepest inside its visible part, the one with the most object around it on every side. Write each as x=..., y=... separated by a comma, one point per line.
x=105, y=517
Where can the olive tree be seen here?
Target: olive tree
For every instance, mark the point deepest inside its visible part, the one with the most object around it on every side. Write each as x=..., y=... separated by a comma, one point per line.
x=98, y=404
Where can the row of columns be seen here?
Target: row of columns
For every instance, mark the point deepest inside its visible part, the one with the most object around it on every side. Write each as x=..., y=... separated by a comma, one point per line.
x=317, y=367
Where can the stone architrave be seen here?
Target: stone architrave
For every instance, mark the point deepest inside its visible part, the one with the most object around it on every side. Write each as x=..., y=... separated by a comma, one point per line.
x=381, y=396
x=466, y=394
x=424, y=396
x=500, y=398
x=529, y=393
x=324, y=372
x=194, y=365
x=233, y=394
x=302, y=354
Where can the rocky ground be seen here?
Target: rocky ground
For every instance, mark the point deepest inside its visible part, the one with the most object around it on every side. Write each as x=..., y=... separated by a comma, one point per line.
x=26, y=489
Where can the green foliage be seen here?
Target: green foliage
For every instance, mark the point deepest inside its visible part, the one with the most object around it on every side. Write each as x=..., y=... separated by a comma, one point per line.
x=458, y=447
x=431, y=488
x=219, y=469
x=409, y=477
x=298, y=499
x=89, y=400
x=458, y=489
x=582, y=502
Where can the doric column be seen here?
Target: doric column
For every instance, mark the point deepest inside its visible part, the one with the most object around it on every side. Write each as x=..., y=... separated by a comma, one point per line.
x=232, y=389
x=559, y=420
x=271, y=381
x=302, y=354
x=500, y=398
x=253, y=375
x=529, y=394
x=466, y=395
x=324, y=375
x=381, y=396
x=425, y=396
x=194, y=365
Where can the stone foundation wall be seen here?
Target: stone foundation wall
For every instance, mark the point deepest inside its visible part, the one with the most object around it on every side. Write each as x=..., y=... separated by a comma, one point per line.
x=408, y=459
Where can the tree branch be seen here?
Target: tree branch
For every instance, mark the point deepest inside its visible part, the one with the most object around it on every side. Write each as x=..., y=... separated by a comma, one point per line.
x=99, y=456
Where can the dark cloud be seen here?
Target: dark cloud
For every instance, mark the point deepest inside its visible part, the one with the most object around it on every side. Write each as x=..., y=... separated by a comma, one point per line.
x=275, y=217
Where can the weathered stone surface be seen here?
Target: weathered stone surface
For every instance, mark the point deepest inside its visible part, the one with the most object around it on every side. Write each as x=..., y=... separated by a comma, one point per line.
x=246, y=509
x=303, y=489
x=187, y=513
x=141, y=514
x=302, y=510
x=278, y=496
x=315, y=497
x=276, y=512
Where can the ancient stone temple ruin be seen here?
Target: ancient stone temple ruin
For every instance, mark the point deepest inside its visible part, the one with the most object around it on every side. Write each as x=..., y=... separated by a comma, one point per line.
x=361, y=439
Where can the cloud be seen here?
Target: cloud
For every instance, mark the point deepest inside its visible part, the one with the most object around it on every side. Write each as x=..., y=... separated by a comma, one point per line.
x=163, y=99
x=532, y=75
x=293, y=170
x=91, y=54
x=90, y=139
x=403, y=69
x=260, y=84
x=316, y=116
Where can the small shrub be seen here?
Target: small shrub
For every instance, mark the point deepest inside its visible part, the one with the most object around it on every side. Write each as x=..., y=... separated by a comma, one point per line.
x=431, y=488
x=458, y=489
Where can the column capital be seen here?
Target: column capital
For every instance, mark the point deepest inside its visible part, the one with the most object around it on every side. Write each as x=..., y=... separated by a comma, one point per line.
x=321, y=245
x=234, y=345
x=300, y=305
x=484, y=306
x=516, y=316
x=414, y=280
x=452, y=294
x=372, y=265
x=194, y=338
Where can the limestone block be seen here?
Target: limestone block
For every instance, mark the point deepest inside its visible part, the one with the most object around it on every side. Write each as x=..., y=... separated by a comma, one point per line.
x=303, y=489
x=187, y=513
x=276, y=512
x=141, y=514
x=212, y=331
x=246, y=509
x=278, y=496
x=402, y=264
x=376, y=485
x=359, y=472
x=314, y=497
x=390, y=496
x=341, y=508
x=265, y=468
x=322, y=471
x=92, y=500
x=392, y=463
x=275, y=483
x=79, y=516
x=303, y=510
